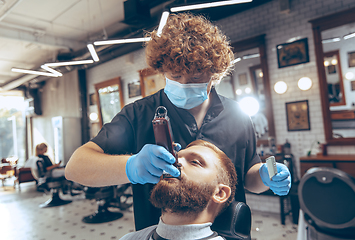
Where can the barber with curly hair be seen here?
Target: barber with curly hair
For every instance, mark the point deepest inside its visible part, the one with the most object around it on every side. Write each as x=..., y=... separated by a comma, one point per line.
x=193, y=55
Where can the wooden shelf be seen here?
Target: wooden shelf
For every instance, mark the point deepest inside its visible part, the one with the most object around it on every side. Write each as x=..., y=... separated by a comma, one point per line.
x=345, y=163
x=342, y=115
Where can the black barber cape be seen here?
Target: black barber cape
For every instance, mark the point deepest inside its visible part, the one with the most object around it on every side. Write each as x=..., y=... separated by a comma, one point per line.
x=225, y=125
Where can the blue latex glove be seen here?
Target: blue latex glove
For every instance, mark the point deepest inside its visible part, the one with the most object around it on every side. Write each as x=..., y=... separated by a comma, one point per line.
x=280, y=184
x=148, y=165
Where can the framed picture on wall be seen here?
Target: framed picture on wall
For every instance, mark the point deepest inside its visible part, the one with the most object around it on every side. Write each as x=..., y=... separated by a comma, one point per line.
x=151, y=81
x=243, y=79
x=297, y=116
x=353, y=85
x=351, y=56
x=331, y=69
x=294, y=53
x=92, y=99
x=134, y=89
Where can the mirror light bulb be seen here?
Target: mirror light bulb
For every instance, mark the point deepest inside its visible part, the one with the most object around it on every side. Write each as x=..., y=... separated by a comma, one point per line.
x=305, y=83
x=280, y=87
x=247, y=90
x=334, y=62
x=249, y=105
x=326, y=63
x=239, y=91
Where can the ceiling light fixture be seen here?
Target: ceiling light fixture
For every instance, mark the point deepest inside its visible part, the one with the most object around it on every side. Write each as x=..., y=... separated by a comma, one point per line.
x=236, y=60
x=57, y=64
x=120, y=41
x=207, y=5
x=19, y=70
x=163, y=20
x=331, y=40
x=351, y=35
x=249, y=56
x=59, y=74
x=93, y=52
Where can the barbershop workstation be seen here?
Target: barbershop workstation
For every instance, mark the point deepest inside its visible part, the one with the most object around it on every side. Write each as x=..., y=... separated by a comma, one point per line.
x=177, y=119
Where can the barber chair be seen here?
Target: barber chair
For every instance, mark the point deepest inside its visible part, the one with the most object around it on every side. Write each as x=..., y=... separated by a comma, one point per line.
x=234, y=222
x=53, y=184
x=327, y=198
x=108, y=197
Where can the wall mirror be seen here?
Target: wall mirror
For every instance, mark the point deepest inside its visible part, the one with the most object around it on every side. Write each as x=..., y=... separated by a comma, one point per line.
x=334, y=78
x=151, y=81
x=250, y=78
x=334, y=41
x=109, y=99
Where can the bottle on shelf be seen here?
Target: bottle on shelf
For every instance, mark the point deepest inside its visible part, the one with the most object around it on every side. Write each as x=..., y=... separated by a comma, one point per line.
x=287, y=148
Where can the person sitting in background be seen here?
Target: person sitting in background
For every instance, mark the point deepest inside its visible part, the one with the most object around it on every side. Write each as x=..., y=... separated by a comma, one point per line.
x=189, y=205
x=57, y=171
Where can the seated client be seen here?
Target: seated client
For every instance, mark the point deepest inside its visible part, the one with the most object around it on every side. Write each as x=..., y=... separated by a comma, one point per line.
x=57, y=170
x=189, y=205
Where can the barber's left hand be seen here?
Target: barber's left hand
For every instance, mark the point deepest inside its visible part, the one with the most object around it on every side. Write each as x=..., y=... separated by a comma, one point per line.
x=280, y=184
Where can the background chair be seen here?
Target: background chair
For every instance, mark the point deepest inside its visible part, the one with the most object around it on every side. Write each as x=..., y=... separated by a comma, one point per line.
x=119, y=197
x=327, y=198
x=54, y=184
x=234, y=222
x=23, y=174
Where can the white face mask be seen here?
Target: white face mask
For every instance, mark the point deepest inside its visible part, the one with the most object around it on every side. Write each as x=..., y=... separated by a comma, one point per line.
x=186, y=96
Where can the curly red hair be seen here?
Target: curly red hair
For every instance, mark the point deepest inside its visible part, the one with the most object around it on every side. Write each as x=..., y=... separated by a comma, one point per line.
x=189, y=44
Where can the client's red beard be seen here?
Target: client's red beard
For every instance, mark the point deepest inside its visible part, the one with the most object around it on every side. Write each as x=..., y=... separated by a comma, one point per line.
x=182, y=197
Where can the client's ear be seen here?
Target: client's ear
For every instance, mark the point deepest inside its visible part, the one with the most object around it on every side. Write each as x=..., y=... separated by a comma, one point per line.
x=221, y=194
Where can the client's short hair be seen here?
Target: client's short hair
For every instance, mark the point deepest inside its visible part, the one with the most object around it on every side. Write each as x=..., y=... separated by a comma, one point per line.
x=227, y=174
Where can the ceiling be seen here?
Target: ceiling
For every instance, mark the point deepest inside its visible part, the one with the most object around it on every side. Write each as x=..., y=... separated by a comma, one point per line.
x=34, y=32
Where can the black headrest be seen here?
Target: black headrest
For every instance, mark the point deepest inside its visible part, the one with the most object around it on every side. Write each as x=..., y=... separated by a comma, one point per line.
x=234, y=222
x=327, y=196
x=41, y=168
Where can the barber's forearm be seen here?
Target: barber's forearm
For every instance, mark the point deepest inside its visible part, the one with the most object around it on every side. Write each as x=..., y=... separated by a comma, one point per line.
x=253, y=182
x=90, y=166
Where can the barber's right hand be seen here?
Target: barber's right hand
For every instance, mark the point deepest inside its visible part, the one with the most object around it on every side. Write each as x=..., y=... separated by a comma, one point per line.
x=148, y=165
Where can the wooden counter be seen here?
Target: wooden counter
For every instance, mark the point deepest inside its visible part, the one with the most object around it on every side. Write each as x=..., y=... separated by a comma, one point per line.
x=345, y=163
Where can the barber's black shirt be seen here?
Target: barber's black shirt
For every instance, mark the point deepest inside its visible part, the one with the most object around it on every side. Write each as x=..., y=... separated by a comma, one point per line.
x=224, y=125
